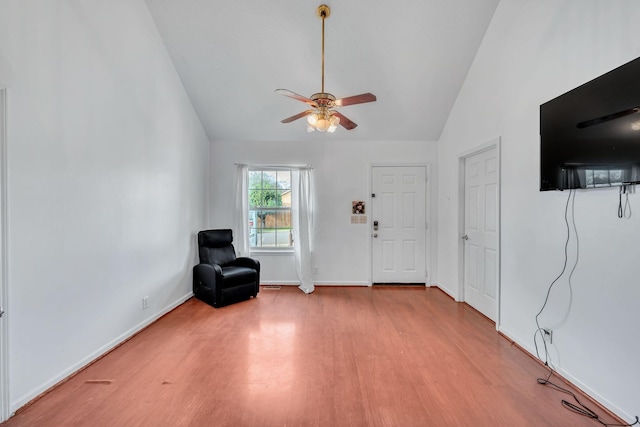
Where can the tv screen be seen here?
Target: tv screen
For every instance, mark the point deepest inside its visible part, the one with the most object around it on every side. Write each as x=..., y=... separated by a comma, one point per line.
x=590, y=136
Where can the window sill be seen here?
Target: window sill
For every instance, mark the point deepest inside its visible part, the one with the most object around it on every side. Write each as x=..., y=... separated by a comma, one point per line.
x=272, y=252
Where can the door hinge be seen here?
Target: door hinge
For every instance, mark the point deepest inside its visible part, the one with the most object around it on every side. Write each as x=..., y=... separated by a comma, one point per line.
x=1, y=312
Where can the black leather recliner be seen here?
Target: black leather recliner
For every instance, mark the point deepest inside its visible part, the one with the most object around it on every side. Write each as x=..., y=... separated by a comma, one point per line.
x=221, y=278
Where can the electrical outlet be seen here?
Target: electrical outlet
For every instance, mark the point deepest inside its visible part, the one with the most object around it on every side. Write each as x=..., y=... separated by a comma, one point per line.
x=315, y=270
x=548, y=335
x=145, y=303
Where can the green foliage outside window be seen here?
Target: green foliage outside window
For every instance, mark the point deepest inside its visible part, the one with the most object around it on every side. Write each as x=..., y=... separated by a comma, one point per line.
x=263, y=190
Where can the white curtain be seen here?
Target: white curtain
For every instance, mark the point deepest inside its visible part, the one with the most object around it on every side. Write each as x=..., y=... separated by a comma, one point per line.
x=241, y=219
x=302, y=216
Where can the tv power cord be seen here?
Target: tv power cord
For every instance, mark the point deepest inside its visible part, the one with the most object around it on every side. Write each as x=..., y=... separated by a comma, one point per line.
x=622, y=211
x=577, y=407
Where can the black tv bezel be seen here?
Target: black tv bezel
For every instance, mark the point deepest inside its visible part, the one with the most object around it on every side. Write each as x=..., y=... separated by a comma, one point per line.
x=586, y=122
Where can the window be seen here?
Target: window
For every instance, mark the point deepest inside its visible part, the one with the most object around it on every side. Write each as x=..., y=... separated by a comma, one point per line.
x=603, y=176
x=270, y=209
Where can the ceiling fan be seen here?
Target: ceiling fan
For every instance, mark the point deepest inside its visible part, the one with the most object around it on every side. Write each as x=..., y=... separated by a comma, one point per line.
x=323, y=117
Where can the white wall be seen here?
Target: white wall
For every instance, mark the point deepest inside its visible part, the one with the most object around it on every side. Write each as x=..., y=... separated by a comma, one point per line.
x=106, y=180
x=533, y=52
x=341, y=174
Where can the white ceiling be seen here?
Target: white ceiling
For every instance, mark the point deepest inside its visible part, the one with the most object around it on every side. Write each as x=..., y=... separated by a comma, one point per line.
x=232, y=55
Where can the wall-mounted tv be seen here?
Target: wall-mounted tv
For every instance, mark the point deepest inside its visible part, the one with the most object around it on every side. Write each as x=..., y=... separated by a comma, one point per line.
x=590, y=136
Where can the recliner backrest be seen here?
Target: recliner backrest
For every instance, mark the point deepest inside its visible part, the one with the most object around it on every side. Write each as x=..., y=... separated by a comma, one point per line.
x=215, y=247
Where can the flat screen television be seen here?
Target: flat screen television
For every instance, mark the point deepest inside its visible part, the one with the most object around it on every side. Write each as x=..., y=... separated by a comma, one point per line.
x=590, y=136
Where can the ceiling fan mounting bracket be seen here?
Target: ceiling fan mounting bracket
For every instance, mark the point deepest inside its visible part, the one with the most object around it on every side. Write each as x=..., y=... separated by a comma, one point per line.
x=324, y=11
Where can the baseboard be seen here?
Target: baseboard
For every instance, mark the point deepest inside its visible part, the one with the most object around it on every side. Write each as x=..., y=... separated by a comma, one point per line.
x=594, y=398
x=280, y=282
x=328, y=283
x=446, y=291
x=38, y=392
x=345, y=283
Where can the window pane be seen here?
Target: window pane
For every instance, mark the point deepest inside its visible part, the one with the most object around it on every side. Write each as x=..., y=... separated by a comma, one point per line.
x=284, y=180
x=284, y=238
x=259, y=220
x=255, y=179
x=253, y=225
x=269, y=179
x=269, y=218
x=258, y=198
x=285, y=198
x=268, y=237
x=283, y=219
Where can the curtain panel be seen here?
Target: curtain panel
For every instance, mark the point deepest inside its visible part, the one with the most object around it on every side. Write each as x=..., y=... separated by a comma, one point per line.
x=302, y=213
x=241, y=219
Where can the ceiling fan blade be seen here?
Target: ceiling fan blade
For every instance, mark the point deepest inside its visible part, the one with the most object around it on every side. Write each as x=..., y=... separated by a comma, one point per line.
x=356, y=99
x=294, y=95
x=298, y=116
x=345, y=122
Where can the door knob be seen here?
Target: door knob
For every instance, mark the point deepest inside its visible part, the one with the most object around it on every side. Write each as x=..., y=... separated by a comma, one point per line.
x=465, y=237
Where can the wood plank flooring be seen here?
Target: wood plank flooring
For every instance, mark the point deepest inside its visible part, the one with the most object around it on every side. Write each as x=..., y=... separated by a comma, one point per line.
x=337, y=357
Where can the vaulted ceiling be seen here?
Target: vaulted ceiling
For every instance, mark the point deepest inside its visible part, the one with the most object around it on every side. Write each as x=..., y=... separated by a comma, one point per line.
x=412, y=54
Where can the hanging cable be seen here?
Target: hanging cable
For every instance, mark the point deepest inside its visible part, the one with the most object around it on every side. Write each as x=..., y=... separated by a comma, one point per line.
x=623, y=190
x=540, y=330
x=622, y=210
x=577, y=407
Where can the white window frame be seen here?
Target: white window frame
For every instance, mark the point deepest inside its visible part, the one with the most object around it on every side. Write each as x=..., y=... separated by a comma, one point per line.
x=277, y=249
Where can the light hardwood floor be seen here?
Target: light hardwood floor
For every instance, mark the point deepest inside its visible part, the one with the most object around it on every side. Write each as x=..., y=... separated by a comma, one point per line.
x=337, y=357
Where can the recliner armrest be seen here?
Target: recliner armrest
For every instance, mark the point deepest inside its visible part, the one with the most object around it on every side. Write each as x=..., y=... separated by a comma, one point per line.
x=208, y=270
x=246, y=262
x=207, y=283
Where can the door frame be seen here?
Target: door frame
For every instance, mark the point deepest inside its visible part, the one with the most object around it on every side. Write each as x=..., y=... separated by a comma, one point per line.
x=462, y=157
x=4, y=294
x=430, y=267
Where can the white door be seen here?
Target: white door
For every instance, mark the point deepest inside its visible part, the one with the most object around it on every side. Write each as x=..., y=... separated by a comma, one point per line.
x=481, y=232
x=4, y=386
x=398, y=208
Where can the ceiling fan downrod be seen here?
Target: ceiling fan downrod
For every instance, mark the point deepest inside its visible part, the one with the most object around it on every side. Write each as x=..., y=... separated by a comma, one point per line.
x=323, y=12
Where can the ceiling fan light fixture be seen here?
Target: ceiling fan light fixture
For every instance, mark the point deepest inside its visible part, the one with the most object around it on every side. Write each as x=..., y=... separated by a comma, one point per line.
x=322, y=117
x=323, y=124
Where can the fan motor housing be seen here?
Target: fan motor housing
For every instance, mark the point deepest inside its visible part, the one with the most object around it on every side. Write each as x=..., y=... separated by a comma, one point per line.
x=324, y=99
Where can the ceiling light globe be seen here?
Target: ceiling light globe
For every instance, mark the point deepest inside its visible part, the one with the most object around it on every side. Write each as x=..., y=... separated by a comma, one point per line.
x=322, y=125
x=335, y=121
x=312, y=119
